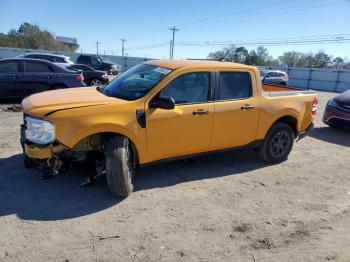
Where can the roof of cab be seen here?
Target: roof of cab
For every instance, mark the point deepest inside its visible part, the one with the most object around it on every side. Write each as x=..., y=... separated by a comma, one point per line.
x=174, y=64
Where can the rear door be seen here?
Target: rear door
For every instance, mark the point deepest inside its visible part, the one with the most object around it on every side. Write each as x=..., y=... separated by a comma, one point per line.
x=10, y=74
x=236, y=109
x=187, y=128
x=37, y=77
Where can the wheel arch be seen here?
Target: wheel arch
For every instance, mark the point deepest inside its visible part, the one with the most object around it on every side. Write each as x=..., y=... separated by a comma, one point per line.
x=289, y=120
x=101, y=137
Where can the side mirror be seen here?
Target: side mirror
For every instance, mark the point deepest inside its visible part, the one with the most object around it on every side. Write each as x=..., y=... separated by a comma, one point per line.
x=163, y=102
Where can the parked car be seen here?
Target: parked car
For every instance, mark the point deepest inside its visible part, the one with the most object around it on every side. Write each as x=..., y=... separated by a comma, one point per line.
x=99, y=63
x=92, y=77
x=164, y=109
x=60, y=60
x=337, y=112
x=21, y=77
x=274, y=77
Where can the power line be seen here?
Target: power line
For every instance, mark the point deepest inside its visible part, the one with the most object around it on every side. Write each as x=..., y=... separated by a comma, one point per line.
x=174, y=29
x=262, y=14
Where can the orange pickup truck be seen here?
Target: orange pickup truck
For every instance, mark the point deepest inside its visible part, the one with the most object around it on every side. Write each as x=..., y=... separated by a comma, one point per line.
x=163, y=110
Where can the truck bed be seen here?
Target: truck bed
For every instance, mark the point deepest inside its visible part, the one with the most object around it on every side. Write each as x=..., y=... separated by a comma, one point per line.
x=275, y=90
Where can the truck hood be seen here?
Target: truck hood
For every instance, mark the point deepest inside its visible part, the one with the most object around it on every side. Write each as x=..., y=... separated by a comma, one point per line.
x=44, y=103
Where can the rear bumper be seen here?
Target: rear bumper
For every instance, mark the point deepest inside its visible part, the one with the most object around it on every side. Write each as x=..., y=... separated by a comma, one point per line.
x=306, y=132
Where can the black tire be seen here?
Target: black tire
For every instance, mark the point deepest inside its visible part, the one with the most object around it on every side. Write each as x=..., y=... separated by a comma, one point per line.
x=119, y=166
x=277, y=144
x=28, y=162
x=283, y=84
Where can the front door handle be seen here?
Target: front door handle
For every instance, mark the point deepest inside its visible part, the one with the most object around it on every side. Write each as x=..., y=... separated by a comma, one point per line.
x=247, y=107
x=200, y=112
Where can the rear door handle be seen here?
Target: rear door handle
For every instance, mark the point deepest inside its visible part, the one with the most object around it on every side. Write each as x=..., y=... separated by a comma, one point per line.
x=49, y=77
x=200, y=112
x=247, y=107
x=16, y=77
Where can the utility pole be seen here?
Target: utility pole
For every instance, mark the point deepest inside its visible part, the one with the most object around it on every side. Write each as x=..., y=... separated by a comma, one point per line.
x=123, y=40
x=171, y=45
x=97, y=43
x=174, y=29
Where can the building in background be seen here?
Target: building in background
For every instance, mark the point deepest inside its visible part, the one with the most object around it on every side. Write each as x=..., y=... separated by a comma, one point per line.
x=68, y=41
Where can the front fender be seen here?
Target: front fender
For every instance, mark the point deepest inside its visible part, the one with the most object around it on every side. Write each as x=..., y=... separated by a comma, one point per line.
x=135, y=135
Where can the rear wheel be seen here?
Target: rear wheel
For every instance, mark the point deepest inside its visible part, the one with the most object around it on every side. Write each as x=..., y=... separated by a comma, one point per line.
x=119, y=166
x=277, y=144
x=96, y=82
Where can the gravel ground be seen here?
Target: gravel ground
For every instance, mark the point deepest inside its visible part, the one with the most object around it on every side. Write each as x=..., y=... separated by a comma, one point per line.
x=225, y=207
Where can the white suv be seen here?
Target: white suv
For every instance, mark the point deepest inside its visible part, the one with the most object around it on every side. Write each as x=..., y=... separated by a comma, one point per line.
x=60, y=60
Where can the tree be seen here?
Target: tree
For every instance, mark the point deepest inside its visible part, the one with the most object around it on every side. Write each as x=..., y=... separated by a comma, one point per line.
x=338, y=62
x=218, y=55
x=31, y=36
x=322, y=60
x=240, y=55
x=253, y=58
x=263, y=55
x=290, y=59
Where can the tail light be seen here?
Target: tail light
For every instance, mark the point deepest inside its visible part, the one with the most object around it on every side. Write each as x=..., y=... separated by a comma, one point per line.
x=79, y=77
x=314, y=106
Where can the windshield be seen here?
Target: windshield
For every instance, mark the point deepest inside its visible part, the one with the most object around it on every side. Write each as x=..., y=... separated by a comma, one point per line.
x=136, y=82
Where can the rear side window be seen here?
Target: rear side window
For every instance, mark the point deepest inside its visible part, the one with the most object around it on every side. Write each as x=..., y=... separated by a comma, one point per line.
x=34, y=67
x=235, y=85
x=57, y=59
x=9, y=67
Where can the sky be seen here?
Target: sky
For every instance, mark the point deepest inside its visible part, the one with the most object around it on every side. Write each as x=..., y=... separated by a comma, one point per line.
x=145, y=24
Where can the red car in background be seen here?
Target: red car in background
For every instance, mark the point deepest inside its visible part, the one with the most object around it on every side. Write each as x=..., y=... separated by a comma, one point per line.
x=337, y=112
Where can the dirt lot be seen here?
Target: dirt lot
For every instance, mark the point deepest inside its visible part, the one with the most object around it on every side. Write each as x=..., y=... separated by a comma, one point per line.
x=226, y=207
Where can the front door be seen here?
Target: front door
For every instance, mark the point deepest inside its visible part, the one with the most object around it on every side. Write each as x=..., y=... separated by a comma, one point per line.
x=187, y=128
x=37, y=77
x=236, y=110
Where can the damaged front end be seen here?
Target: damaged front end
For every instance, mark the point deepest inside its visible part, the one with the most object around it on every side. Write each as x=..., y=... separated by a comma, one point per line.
x=55, y=158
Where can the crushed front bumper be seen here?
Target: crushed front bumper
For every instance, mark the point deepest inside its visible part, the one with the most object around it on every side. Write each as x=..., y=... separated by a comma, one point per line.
x=42, y=152
x=36, y=151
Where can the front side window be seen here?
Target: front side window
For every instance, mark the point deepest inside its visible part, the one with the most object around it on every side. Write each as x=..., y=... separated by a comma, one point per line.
x=136, y=82
x=95, y=60
x=9, y=67
x=35, y=67
x=235, y=85
x=189, y=88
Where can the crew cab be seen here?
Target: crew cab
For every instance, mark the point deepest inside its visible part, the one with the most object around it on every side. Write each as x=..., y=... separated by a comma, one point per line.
x=161, y=110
